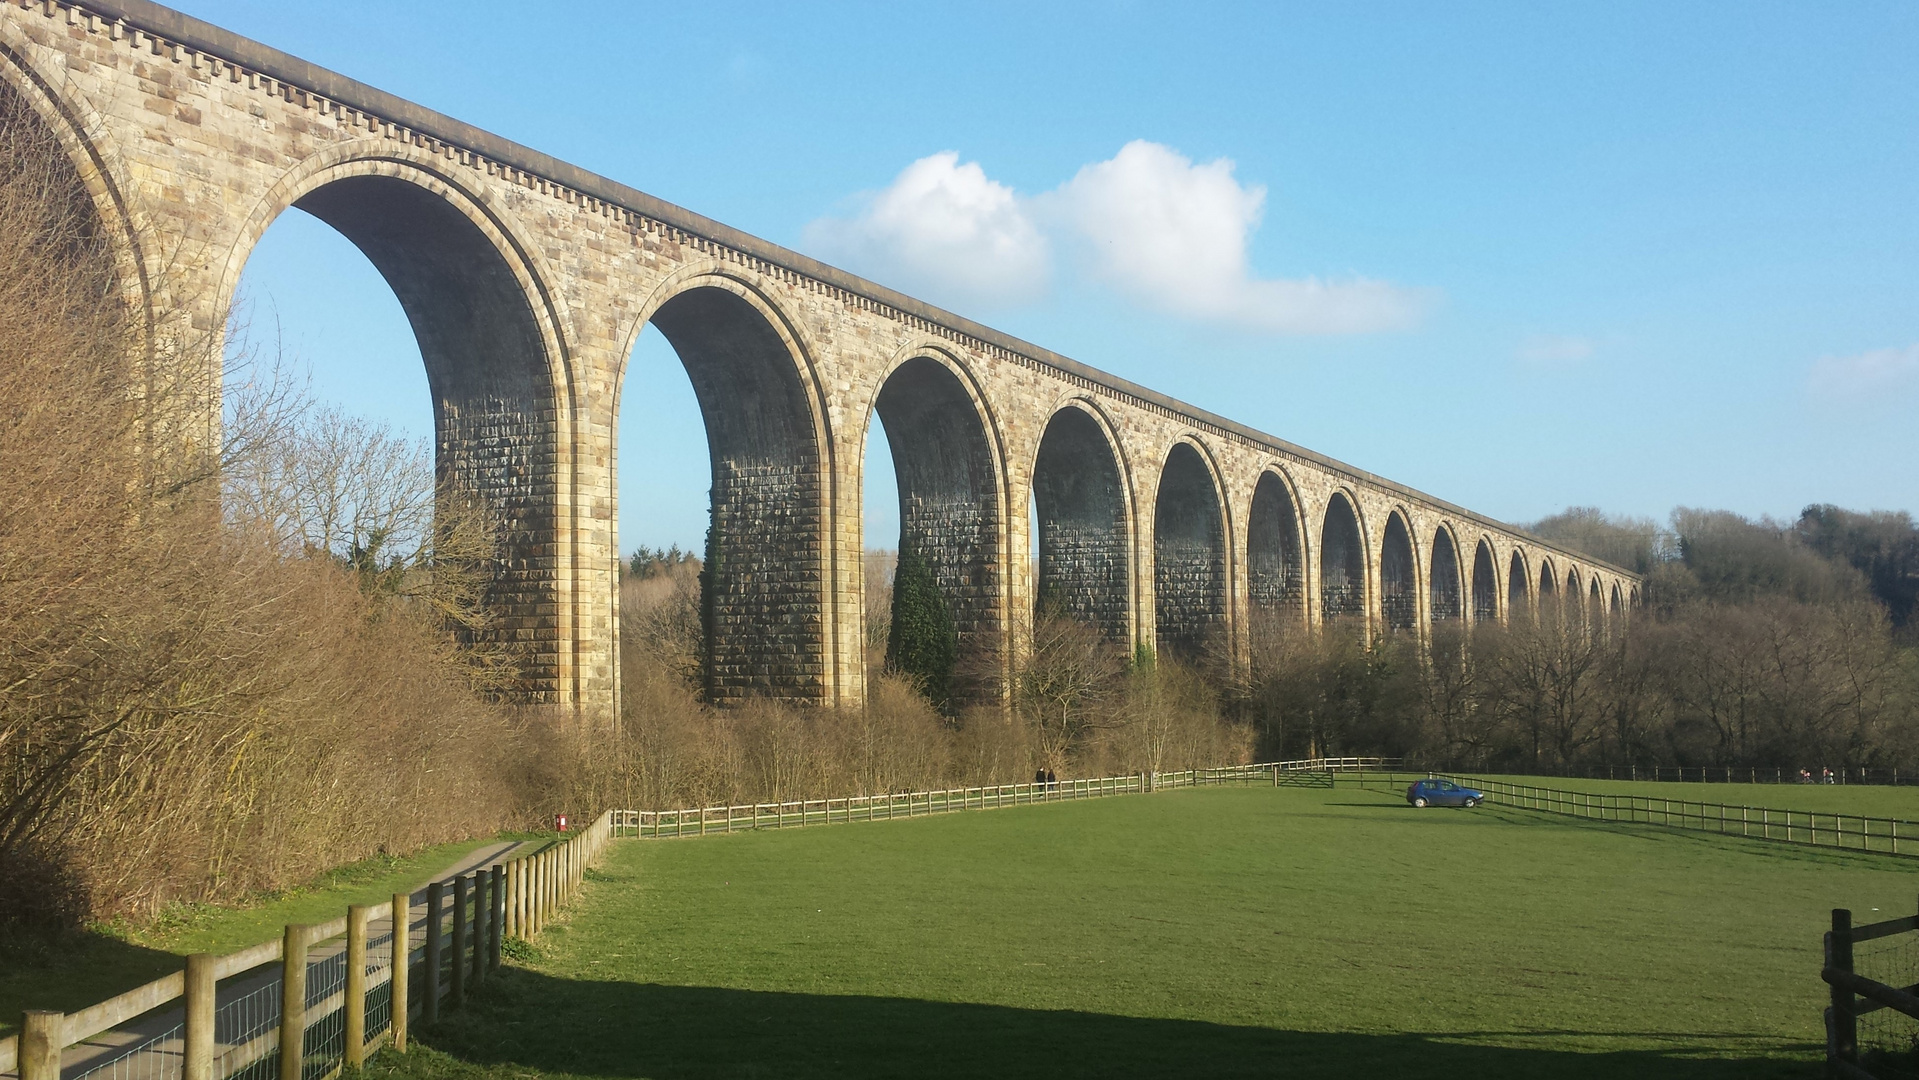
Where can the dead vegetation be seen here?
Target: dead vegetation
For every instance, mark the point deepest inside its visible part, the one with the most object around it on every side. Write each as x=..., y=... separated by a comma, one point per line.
x=194, y=702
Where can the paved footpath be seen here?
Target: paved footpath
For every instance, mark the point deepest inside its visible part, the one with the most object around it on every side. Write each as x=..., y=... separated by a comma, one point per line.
x=151, y=1047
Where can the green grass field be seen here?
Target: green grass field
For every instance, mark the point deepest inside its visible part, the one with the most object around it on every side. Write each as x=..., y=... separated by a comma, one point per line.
x=73, y=970
x=1218, y=932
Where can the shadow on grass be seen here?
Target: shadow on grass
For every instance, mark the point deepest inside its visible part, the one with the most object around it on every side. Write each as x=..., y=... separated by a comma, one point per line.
x=70, y=969
x=525, y=1022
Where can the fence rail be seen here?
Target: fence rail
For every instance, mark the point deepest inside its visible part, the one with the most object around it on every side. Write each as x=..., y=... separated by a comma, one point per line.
x=226, y=1017
x=335, y=980
x=1852, y=832
x=711, y=820
x=1891, y=1009
x=1745, y=774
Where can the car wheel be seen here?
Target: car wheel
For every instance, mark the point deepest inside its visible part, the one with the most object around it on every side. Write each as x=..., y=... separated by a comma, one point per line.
x=1470, y=803
x=1419, y=804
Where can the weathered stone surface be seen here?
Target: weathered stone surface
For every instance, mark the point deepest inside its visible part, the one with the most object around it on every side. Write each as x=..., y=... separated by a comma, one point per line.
x=528, y=280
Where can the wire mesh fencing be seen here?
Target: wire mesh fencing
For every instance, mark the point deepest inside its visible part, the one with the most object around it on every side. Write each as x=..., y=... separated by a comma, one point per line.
x=157, y=1057
x=1892, y=961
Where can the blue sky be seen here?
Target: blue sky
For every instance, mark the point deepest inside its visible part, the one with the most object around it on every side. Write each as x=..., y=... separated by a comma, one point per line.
x=1519, y=256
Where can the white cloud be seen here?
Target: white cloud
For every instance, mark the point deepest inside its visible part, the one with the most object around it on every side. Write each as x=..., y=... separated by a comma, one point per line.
x=1175, y=234
x=943, y=228
x=1867, y=376
x=1148, y=221
x=1555, y=350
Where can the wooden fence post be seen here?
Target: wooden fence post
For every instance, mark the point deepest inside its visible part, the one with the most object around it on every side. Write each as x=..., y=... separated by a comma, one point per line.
x=482, y=915
x=496, y=917
x=402, y=967
x=197, y=1051
x=456, y=992
x=1842, y=1030
x=430, y=984
x=543, y=889
x=42, y=1037
x=512, y=924
x=355, y=985
x=293, y=1002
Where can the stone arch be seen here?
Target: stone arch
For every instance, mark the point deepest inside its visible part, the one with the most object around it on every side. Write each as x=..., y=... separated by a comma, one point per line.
x=1398, y=575
x=1189, y=554
x=1595, y=608
x=767, y=604
x=1342, y=562
x=1519, y=598
x=1445, y=597
x=98, y=170
x=1275, y=560
x=1614, y=608
x=1548, y=583
x=952, y=496
x=487, y=328
x=1085, y=522
x=1485, y=583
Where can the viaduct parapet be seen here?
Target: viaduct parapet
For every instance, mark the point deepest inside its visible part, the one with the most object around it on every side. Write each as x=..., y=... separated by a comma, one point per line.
x=527, y=282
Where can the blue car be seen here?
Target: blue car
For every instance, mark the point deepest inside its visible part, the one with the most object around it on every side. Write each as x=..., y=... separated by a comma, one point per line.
x=1443, y=793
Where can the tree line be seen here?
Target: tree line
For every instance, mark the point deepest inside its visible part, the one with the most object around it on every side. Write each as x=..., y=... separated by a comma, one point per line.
x=1760, y=643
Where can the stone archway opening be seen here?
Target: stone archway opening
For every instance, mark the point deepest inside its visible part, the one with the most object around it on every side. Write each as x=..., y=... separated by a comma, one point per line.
x=948, y=487
x=764, y=614
x=1518, y=589
x=1595, y=611
x=1443, y=589
x=1548, y=591
x=1084, y=533
x=1189, y=557
x=1276, y=567
x=1485, y=585
x=1398, y=576
x=1342, y=564
x=469, y=363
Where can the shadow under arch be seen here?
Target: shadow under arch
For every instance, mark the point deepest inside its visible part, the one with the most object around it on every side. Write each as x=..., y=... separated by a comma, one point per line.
x=494, y=366
x=1518, y=587
x=1085, y=529
x=1189, y=555
x=1342, y=563
x=1275, y=562
x=1398, y=576
x=765, y=610
x=1485, y=586
x=28, y=97
x=1548, y=603
x=1444, y=594
x=952, y=510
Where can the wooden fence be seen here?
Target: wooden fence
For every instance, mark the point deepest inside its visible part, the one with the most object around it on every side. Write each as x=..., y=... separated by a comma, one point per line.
x=1750, y=774
x=711, y=820
x=318, y=998
x=1853, y=832
x=1849, y=986
x=321, y=998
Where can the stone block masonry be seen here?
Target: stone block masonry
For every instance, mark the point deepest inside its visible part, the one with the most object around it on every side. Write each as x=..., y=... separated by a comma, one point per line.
x=528, y=280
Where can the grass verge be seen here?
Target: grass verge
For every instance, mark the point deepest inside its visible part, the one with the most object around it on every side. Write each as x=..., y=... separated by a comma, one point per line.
x=69, y=970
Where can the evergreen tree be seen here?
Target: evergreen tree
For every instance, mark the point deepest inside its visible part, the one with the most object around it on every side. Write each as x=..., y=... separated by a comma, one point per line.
x=923, y=643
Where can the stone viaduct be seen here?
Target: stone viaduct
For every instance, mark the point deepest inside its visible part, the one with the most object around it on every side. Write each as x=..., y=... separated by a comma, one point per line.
x=527, y=282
